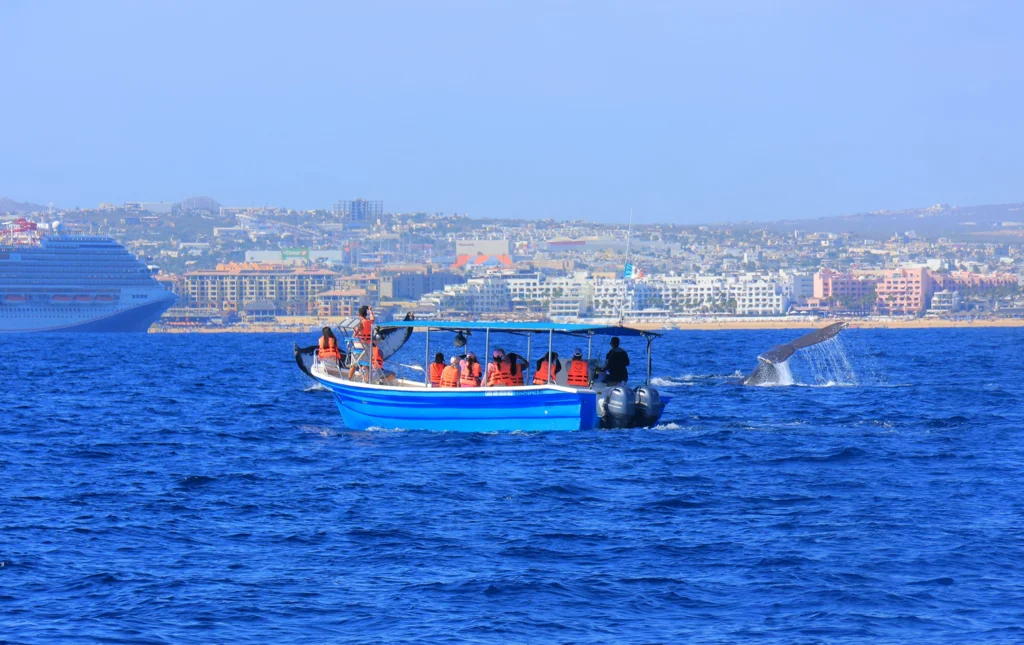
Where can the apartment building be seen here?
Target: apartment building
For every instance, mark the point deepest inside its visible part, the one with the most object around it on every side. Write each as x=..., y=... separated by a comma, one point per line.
x=231, y=286
x=340, y=302
x=904, y=291
x=832, y=286
x=583, y=295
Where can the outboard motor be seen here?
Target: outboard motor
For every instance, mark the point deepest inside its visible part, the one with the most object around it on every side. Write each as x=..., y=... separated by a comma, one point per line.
x=648, y=407
x=619, y=407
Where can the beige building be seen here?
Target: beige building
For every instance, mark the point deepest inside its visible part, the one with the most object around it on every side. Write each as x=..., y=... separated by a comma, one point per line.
x=232, y=286
x=340, y=302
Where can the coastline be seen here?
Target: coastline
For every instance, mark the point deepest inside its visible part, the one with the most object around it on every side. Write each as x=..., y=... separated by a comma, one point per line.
x=713, y=325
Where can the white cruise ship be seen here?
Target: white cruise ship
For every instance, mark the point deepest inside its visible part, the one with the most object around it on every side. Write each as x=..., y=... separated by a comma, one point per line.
x=74, y=283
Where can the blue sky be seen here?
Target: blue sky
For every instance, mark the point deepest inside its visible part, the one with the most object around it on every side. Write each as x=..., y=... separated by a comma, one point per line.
x=685, y=112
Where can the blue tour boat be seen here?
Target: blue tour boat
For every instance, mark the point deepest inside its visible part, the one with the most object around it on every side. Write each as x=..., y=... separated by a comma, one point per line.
x=381, y=399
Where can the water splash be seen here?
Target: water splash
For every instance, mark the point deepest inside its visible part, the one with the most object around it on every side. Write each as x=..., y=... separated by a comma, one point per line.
x=658, y=381
x=829, y=364
x=823, y=365
x=784, y=373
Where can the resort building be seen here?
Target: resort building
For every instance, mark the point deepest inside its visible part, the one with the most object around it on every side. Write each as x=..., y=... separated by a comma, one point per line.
x=232, y=286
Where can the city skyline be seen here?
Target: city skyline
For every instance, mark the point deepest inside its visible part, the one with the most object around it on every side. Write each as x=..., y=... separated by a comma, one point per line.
x=683, y=113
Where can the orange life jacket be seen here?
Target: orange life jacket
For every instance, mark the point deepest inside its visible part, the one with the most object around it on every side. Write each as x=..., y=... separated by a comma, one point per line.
x=377, y=359
x=579, y=373
x=545, y=375
x=517, y=378
x=436, y=369
x=470, y=375
x=450, y=376
x=498, y=374
x=364, y=331
x=330, y=351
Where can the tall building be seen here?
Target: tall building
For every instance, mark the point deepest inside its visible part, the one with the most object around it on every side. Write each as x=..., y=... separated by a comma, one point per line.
x=359, y=210
x=232, y=286
x=905, y=291
x=849, y=290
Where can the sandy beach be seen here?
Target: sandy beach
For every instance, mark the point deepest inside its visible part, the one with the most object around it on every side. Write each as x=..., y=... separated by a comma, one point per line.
x=306, y=326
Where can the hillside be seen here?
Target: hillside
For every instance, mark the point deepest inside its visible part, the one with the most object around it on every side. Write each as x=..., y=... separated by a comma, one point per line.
x=977, y=223
x=8, y=205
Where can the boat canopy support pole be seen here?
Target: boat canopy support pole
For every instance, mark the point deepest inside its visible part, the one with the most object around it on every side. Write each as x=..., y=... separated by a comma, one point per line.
x=529, y=359
x=369, y=355
x=426, y=361
x=487, y=349
x=650, y=339
x=591, y=378
x=551, y=367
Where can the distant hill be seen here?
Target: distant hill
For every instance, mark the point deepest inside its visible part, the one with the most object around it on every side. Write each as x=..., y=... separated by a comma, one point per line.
x=8, y=205
x=969, y=222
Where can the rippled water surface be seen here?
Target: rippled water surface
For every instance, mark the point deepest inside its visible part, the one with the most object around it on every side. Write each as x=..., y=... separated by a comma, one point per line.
x=191, y=489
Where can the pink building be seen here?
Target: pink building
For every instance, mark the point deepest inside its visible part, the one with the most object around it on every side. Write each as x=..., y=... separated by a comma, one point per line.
x=961, y=280
x=831, y=286
x=897, y=291
x=905, y=291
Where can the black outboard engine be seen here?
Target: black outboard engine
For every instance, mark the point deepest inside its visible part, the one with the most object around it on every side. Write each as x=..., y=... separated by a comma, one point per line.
x=648, y=407
x=619, y=407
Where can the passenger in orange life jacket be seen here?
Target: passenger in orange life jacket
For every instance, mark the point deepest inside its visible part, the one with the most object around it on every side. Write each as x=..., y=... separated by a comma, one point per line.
x=328, y=347
x=498, y=370
x=436, y=368
x=450, y=374
x=516, y=366
x=548, y=366
x=364, y=334
x=579, y=371
x=470, y=371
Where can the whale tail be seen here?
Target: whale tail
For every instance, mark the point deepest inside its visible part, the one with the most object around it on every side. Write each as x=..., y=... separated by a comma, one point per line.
x=767, y=370
x=389, y=340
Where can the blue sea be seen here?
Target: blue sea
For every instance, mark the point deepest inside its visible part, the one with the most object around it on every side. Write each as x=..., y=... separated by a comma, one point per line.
x=198, y=489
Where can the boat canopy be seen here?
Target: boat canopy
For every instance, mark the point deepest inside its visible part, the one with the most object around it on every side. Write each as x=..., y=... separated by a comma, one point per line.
x=572, y=329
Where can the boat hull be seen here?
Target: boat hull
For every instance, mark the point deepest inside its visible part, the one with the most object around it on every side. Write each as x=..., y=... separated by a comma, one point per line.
x=134, y=319
x=499, y=409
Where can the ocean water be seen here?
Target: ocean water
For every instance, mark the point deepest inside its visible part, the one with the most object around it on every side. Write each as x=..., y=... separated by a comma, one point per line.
x=196, y=489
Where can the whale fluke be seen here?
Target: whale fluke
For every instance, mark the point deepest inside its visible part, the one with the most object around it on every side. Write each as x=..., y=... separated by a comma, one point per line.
x=766, y=370
x=390, y=340
x=304, y=355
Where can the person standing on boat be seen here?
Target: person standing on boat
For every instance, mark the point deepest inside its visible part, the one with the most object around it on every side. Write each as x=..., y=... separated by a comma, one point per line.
x=548, y=367
x=436, y=368
x=615, y=363
x=498, y=370
x=471, y=372
x=579, y=371
x=364, y=334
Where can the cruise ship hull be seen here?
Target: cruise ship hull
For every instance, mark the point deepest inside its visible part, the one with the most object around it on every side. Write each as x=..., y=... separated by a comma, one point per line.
x=135, y=319
x=79, y=283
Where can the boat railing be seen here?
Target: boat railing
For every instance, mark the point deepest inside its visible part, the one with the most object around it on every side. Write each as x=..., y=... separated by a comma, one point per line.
x=393, y=372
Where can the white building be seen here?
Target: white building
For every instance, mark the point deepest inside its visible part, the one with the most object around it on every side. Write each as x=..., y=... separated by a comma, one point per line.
x=583, y=296
x=483, y=247
x=157, y=208
x=944, y=302
x=477, y=296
